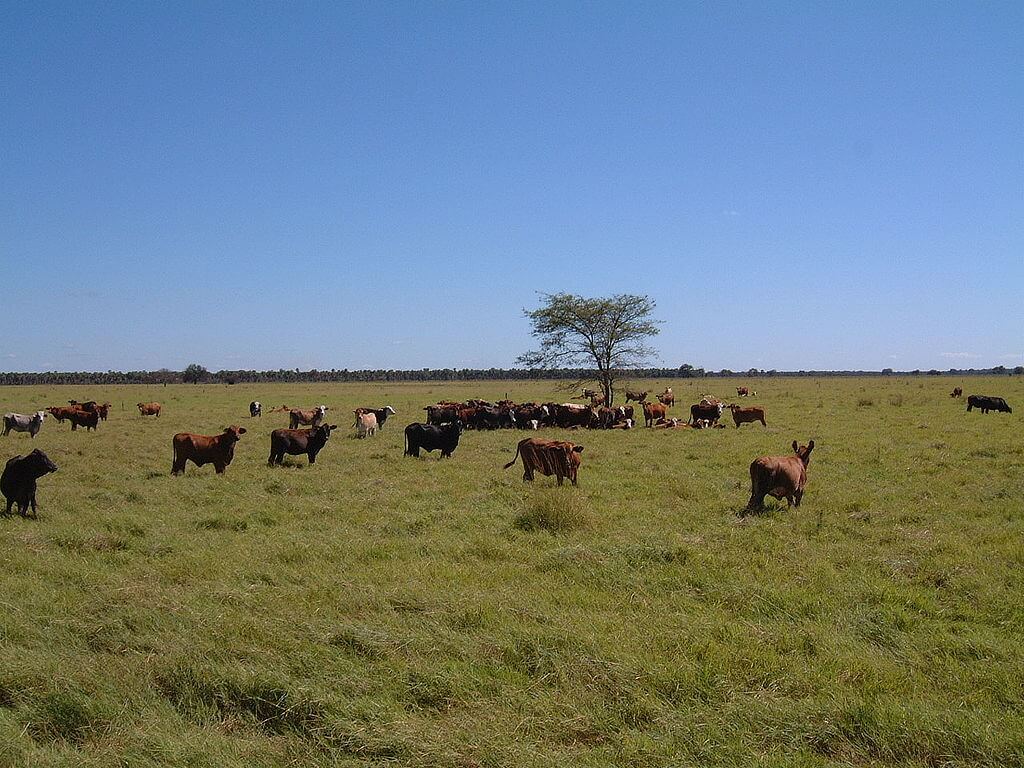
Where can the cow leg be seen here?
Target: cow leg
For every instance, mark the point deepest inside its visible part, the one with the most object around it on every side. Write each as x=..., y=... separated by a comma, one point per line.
x=218, y=467
x=527, y=475
x=559, y=479
x=797, y=495
x=74, y=426
x=312, y=457
x=756, y=502
x=10, y=503
x=35, y=512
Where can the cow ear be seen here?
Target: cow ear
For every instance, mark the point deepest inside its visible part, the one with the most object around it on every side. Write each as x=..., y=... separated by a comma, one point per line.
x=332, y=426
x=578, y=448
x=810, y=446
x=241, y=430
x=796, y=448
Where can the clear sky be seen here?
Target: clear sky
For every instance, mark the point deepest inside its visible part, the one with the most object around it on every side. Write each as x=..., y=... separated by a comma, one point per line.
x=265, y=185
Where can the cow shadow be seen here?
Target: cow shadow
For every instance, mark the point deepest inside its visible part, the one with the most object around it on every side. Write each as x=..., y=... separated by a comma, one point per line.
x=286, y=464
x=769, y=509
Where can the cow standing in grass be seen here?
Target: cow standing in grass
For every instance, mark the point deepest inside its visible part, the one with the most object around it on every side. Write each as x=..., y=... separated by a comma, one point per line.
x=18, y=481
x=21, y=423
x=218, y=450
x=783, y=477
x=298, y=441
x=549, y=457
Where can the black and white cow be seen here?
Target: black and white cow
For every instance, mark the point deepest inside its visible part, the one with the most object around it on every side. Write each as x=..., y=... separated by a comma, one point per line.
x=20, y=423
x=255, y=409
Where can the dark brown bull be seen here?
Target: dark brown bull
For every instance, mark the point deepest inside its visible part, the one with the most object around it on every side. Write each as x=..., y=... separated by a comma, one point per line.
x=783, y=477
x=637, y=396
x=549, y=457
x=80, y=418
x=205, y=449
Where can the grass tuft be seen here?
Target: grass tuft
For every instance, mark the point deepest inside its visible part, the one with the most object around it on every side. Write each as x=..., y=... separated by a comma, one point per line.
x=554, y=511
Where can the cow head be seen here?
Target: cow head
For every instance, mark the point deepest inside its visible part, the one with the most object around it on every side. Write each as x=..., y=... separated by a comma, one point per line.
x=803, y=452
x=39, y=463
x=390, y=410
x=234, y=433
x=41, y=415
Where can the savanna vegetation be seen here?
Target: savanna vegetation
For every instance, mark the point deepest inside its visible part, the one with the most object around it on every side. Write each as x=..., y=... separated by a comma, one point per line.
x=380, y=610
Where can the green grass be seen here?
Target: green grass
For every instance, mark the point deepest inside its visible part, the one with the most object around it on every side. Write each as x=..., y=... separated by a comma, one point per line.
x=380, y=610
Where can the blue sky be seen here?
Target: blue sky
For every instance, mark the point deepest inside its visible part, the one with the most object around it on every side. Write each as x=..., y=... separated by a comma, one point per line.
x=797, y=185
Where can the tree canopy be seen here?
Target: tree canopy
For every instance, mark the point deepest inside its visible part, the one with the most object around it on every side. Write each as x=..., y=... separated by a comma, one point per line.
x=609, y=334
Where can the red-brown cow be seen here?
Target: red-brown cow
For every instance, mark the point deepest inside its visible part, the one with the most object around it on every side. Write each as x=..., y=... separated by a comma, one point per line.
x=83, y=418
x=549, y=457
x=149, y=409
x=783, y=477
x=743, y=415
x=654, y=411
x=61, y=412
x=205, y=449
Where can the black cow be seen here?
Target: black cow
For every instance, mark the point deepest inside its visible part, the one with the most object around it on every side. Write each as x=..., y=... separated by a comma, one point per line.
x=298, y=441
x=710, y=413
x=495, y=418
x=987, y=404
x=18, y=482
x=430, y=437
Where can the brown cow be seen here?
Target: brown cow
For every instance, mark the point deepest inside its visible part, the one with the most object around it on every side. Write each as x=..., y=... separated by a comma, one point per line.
x=783, y=477
x=313, y=418
x=743, y=415
x=667, y=399
x=149, y=409
x=82, y=418
x=742, y=391
x=61, y=412
x=597, y=399
x=957, y=392
x=654, y=411
x=638, y=396
x=549, y=457
x=205, y=449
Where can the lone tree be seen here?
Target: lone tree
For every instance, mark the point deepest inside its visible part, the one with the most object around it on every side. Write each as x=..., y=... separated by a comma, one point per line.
x=194, y=373
x=609, y=334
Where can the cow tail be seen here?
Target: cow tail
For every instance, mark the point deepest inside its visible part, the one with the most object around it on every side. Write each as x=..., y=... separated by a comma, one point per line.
x=514, y=459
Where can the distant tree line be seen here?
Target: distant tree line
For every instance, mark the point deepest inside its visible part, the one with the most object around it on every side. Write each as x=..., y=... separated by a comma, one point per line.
x=195, y=374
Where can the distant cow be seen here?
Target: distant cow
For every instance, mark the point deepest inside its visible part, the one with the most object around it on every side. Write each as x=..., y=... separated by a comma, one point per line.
x=742, y=391
x=298, y=441
x=637, y=396
x=313, y=418
x=549, y=457
x=366, y=423
x=654, y=411
x=744, y=415
x=667, y=398
x=80, y=418
x=18, y=481
x=573, y=415
x=430, y=437
x=957, y=392
x=255, y=409
x=205, y=449
x=381, y=414
x=149, y=409
x=783, y=477
x=61, y=412
x=21, y=423
x=103, y=409
x=986, y=404
x=588, y=393
x=706, y=411
x=442, y=413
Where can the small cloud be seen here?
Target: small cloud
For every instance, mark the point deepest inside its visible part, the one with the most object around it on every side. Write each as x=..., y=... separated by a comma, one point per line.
x=730, y=212
x=959, y=355
x=894, y=357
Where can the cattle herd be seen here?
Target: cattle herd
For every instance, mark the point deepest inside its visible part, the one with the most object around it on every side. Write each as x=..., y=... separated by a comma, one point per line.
x=783, y=477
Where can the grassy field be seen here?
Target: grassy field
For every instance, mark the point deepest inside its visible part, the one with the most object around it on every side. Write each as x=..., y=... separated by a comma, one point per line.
x=374, y=609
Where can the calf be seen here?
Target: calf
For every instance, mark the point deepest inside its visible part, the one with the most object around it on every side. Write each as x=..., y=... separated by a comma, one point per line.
x=21, y=423
x=742, y=391
x=549, y=457
x=430, y=437
x=205, y=449
x=255, y=409
x=298, y=441
x=381, y=414
x=149, y=409
x=367, y=424
x=654, y=411
x=313, y=418
x=957, y=392
x=637, y=396
x=744, y=415
x=706, y=411
x=986, y=404
x=18, y=482
x=783, y=477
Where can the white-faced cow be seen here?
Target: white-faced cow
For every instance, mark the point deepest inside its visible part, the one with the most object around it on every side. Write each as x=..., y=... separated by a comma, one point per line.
x=255, y=409
x=17, y=422
x=313, y=418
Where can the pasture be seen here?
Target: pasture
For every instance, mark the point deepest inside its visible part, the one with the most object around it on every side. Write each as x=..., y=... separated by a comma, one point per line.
x=381, y=610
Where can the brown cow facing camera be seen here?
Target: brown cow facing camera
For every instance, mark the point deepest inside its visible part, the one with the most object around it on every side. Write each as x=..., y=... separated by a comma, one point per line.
x=549, y=457
x=783, y=477
x=149, y=409
x=205, y=449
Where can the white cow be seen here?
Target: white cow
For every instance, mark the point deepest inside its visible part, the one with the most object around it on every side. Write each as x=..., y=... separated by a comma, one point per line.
x=21, y=423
